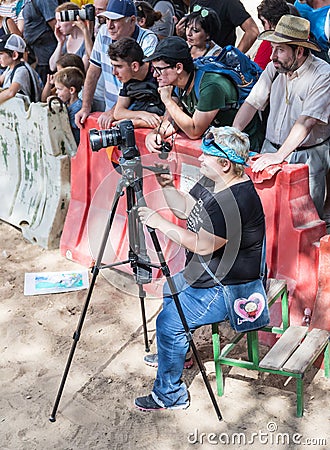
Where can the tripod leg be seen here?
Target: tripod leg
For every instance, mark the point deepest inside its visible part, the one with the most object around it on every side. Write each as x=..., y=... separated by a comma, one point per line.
x=95, y=271
x=166, y=272
x=142, y=296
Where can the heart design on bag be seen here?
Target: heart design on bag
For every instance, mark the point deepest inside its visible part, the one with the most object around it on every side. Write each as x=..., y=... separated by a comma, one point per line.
x=249, y=309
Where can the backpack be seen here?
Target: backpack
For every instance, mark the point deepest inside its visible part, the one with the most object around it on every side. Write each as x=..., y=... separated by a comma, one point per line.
x=35, y=81
x=180, y=9
x=233, y=64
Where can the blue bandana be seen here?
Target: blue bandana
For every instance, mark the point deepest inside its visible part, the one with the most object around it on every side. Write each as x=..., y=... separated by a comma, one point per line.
x=210, y=147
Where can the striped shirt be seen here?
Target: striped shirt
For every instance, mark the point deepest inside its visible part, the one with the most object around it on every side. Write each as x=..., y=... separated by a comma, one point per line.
x=9, y=10
x=100, y=58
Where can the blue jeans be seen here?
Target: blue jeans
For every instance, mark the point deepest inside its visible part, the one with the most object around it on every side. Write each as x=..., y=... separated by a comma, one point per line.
x=200, y=307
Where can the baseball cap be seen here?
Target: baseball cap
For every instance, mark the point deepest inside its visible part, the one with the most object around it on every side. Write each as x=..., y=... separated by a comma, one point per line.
x=12, y=42
x=117, y=9
x=172, y=47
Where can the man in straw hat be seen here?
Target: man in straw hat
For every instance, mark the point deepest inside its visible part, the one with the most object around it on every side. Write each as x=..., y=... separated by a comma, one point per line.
x=298, y=128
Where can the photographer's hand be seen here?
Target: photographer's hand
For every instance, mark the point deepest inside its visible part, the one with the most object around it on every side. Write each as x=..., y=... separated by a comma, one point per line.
x=164, y=179
x=149, y=217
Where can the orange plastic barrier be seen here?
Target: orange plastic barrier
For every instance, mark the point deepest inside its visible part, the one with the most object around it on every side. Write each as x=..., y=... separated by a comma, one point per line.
x=321, y=312
x=293, y=226
x=93, y=184
x=293, y=230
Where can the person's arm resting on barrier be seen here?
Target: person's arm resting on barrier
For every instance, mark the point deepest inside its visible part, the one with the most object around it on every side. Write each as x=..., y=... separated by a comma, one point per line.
x=140, y=119
x=93, y=74
x=298, y=133
x=10, y=92
x=193, y=126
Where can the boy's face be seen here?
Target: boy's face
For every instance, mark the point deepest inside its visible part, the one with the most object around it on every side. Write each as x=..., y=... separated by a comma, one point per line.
x=5, y=59
x=63, y=92
x=122, y=70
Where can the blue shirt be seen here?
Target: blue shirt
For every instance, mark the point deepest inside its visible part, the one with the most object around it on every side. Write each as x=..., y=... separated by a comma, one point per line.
x=72, y=111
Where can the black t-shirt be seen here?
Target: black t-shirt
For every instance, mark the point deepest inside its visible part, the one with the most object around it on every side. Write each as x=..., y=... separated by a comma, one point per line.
x=231, y=14
x=149, y=78
x=235, y=214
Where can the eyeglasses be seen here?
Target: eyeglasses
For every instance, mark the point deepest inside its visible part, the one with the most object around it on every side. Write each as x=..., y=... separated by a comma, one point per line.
x=203, y=12
x=159, y=70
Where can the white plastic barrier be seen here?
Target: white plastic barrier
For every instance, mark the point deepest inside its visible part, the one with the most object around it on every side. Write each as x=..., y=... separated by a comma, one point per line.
x=35, y=169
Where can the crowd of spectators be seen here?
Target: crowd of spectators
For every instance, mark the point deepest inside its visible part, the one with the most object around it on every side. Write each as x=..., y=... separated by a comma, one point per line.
x=89, y=28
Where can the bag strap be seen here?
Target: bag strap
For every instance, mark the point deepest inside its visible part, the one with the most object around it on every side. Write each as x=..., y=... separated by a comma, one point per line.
x=5, y=25
x=262, y=264
x=33, y=90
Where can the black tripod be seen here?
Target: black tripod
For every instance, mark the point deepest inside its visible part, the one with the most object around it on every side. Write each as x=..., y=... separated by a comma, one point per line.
x=132, y=180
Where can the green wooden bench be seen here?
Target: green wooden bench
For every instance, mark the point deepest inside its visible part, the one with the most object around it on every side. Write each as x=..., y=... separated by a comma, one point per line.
x=294, y=352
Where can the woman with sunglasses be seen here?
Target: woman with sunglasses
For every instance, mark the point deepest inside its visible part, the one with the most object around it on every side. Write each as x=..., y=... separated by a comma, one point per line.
x=202, y=28
x=223, y=241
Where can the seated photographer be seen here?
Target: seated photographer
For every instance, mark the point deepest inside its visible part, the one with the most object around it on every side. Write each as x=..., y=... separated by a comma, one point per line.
x=225, y=232
x=173, y=67
x=138, y=98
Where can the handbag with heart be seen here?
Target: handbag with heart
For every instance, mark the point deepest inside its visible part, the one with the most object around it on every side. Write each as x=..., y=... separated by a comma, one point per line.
x=246, y=303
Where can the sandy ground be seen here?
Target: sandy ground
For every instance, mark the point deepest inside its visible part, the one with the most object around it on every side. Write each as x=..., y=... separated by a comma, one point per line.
x=96, y=409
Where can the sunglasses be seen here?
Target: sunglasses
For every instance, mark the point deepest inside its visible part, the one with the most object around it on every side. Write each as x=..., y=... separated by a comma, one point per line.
x=209, y=141
x=203, y=12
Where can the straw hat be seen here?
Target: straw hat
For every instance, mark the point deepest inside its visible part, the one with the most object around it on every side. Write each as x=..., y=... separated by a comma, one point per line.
x=290, y=30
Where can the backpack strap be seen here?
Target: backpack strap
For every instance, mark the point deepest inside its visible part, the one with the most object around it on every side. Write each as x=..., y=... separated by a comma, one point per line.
x=5, y=25
x=33, y=90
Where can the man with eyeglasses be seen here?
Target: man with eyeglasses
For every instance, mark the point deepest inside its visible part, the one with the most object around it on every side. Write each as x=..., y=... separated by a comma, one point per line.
x=216, y=103
x=232, y=14
x=120, y=18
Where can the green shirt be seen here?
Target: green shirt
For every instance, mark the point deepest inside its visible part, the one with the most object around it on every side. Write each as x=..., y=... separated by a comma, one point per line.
x=218, y=92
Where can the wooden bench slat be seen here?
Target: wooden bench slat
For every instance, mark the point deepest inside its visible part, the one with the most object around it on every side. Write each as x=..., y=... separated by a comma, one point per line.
x=307, y=352
x=283, y=348
x=274, y=287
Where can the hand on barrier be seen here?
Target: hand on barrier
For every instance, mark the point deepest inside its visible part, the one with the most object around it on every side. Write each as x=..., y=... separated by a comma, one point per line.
x=106, y=119
x=81, y=117
x=153, y=142
x=266, y=160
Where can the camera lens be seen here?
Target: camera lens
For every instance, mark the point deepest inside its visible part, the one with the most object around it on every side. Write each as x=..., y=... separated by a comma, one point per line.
x=68, y=16
x=104, y=138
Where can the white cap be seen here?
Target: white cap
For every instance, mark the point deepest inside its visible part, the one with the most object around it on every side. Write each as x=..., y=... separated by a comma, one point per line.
x=12, y=42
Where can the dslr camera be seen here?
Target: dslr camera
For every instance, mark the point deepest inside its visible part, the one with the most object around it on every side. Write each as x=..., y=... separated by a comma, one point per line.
x=86, y=13
x=121, y=135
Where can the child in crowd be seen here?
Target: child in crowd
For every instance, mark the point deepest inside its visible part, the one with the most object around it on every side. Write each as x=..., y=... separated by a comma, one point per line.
x=68, y=83
x=19, y=77
x=66, y=60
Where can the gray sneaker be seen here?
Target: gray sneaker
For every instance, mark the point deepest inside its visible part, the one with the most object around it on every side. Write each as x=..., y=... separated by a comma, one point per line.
x=152, y=360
